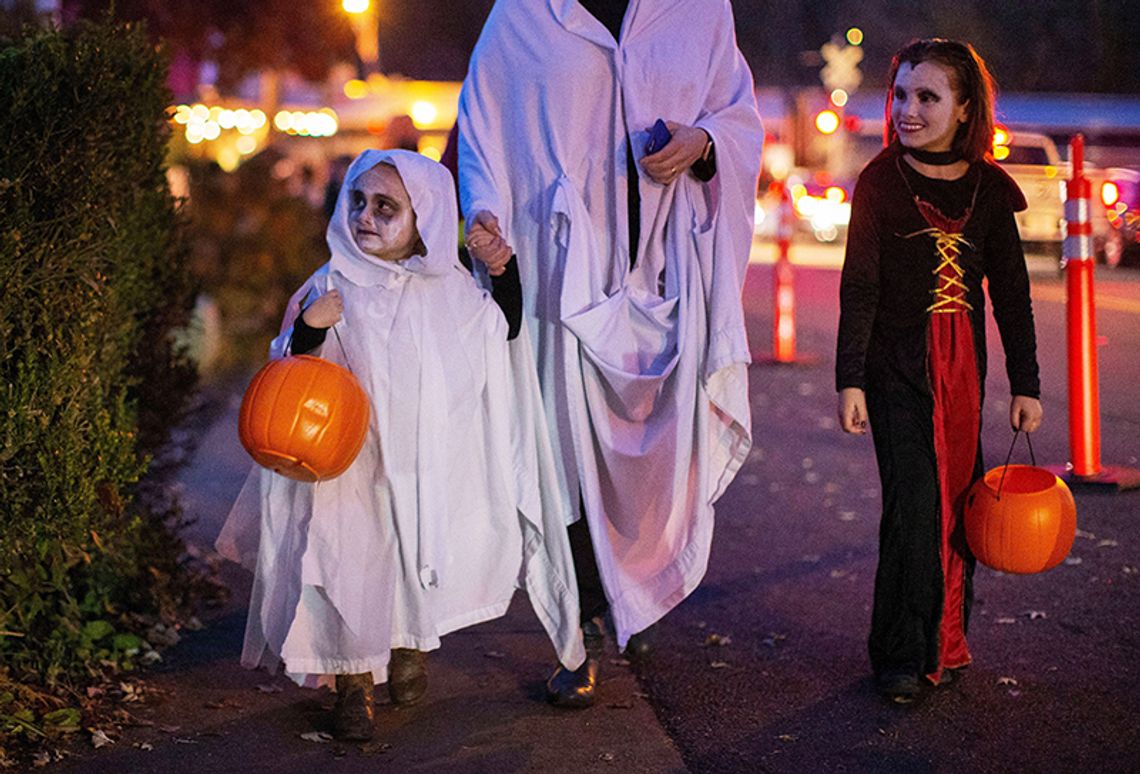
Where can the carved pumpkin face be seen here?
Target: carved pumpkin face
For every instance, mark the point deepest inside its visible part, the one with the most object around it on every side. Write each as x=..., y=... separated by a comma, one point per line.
x=1029, y=528
x=304, y=418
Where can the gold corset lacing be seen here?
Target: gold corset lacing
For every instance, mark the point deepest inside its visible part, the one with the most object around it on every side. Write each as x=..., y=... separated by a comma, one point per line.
x=950, y=295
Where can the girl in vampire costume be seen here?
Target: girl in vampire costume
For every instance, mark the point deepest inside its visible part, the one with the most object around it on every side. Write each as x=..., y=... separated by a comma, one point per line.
x=932, y=217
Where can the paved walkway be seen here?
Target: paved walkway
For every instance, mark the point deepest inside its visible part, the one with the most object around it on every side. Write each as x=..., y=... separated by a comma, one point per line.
x=484, y=711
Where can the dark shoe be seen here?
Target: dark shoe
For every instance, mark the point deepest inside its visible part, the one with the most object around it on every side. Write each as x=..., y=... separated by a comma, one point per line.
x=641, y=644
x=594, y=637
x=353, y=712
x=949, y=677
x=407, y=676
x=899, y=687
x=573, y=690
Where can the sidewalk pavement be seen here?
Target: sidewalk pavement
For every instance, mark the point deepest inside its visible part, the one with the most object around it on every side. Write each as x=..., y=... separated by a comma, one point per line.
x=484, y=710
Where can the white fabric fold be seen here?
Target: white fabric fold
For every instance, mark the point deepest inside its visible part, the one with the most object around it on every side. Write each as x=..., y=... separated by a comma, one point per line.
x=437, y=521
x=643, y=371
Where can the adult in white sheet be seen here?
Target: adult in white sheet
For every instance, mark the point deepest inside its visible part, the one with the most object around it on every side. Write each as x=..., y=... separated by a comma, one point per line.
x=632, y=266
x=441, y=516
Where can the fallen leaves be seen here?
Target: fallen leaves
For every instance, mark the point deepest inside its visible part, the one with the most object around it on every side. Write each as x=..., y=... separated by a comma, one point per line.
x=162, y=635
x=224, y=704
x=319, y=737
x=714, y=640
x=64, y=720
x=99, y=738
x=132, y=692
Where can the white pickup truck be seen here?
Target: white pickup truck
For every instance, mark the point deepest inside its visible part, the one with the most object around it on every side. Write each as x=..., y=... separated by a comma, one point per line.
x=1033, y=161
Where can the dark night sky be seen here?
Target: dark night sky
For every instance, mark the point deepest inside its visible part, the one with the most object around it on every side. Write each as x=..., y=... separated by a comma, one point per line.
x=1046, y=45
x=1042, y=45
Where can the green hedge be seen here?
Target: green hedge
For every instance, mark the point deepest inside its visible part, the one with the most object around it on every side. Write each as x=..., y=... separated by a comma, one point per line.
x=92, y=282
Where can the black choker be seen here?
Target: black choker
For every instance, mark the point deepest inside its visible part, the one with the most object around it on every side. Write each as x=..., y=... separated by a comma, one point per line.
x=934, y=158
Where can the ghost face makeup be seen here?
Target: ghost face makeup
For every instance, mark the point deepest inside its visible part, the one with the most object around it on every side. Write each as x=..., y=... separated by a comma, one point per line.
x=925, y=110
x=380, y=216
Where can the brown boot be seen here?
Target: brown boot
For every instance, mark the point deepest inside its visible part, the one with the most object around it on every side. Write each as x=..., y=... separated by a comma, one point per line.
x=407, y=676
x=353, y=713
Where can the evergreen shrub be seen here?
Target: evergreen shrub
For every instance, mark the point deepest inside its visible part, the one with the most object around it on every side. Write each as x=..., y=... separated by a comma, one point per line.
x=93, y=281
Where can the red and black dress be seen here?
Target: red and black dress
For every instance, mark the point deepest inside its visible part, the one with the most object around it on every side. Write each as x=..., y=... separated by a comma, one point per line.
x=912, y=336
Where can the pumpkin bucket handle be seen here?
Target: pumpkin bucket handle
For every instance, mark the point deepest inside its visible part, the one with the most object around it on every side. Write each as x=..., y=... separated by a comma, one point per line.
x=343, y=351
x=1008, y=457
x=349, y=365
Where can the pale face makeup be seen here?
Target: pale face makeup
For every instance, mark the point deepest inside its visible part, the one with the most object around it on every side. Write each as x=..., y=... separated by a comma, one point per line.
x=380, y=215
x=925, y=111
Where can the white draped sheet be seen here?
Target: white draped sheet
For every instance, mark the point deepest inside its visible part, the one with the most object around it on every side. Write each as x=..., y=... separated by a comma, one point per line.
x=643, y=371
x=442, y=515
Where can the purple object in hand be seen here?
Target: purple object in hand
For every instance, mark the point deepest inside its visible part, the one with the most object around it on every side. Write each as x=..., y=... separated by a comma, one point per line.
x=659, y=137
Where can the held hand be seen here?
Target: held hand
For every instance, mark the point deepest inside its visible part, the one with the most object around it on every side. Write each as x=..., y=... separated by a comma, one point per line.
x=853, y=411
x=1025, y=413
x=672, y=161
x=486, y=244
x=325, y=312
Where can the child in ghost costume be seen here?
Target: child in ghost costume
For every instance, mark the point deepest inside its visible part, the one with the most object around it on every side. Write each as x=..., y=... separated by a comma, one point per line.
x=443, y=514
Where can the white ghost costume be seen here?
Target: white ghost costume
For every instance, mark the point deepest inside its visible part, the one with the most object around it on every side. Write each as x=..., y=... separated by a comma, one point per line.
x=445, y=512
x=643, y=370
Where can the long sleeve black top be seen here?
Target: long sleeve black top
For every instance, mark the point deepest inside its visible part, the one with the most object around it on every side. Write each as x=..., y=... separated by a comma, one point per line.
x=889, y=274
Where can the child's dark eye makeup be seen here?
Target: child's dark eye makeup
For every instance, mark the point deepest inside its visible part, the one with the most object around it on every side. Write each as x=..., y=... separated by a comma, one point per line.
x=382, y=205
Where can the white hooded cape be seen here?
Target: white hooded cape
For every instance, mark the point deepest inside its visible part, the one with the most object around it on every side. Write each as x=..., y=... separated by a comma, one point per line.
x=443, y=513
x=643, y=371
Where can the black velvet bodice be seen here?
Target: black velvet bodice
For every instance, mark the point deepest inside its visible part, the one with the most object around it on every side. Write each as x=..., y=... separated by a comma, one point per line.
x=890, y=265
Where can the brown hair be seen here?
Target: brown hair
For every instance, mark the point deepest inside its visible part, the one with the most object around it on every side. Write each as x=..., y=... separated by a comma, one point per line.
x=972, y=84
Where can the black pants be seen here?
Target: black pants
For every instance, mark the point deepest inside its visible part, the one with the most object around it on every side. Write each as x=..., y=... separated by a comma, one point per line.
x=592, y=602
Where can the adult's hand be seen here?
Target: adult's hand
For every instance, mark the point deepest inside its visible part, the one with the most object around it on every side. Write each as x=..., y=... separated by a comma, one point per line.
x=486, y=244
x=325, y=312
x=672, y=161
x=1025, y=413
x=853, y=410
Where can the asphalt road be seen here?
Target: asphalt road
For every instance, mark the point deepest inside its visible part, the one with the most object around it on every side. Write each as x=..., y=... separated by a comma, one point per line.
x=1056, y=681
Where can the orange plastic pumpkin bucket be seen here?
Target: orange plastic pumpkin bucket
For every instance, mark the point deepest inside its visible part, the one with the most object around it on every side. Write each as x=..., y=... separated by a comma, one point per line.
x=304, y=417
x=1023, y=524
